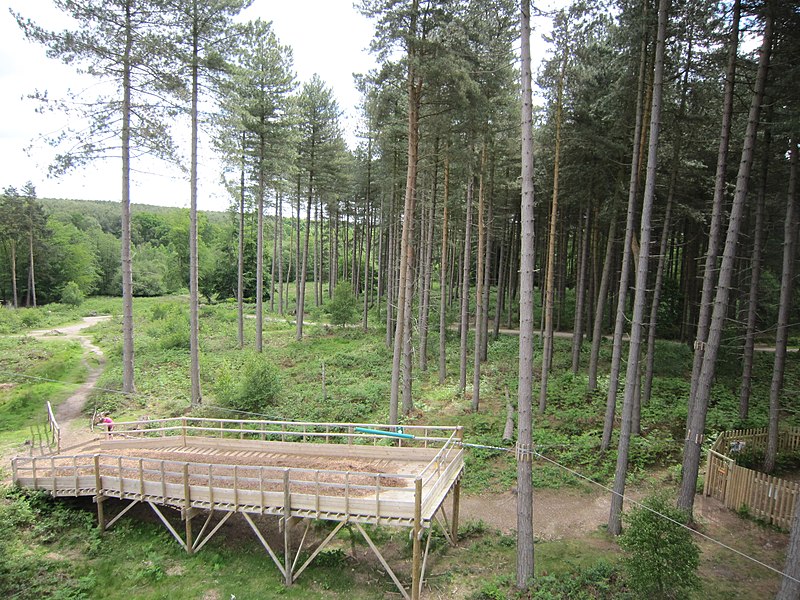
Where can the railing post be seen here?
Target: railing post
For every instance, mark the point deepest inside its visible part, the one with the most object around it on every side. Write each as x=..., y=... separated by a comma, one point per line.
x=99, y=498
x=287, y=516
x=188, y=509
x=416, y=565
x=183, y=430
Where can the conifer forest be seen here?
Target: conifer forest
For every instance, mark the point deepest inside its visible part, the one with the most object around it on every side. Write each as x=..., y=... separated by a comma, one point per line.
x=592, y=266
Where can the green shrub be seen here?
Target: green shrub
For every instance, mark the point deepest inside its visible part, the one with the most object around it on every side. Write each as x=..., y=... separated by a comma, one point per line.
x=174, y=334
x=72, y=294
x=253, y=387
x=661, y=558
x=342, y=307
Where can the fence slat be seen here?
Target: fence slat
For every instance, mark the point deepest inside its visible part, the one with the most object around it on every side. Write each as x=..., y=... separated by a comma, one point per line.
x=766, y=497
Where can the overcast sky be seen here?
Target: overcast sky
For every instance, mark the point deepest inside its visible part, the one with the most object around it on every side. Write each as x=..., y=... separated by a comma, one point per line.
x=328, y=37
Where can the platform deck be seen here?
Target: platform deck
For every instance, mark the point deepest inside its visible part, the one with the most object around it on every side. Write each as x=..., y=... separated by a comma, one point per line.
x=193, y=464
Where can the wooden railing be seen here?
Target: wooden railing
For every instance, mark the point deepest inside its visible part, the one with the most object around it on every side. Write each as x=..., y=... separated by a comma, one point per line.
x=771, y=499
x=53, y=429
x=368, y=496
x=295, y=431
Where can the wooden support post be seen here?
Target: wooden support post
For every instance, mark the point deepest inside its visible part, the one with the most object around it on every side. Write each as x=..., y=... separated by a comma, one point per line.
x=183, y=431
x=382, y=560
x=188, y=515
x=456, y=504
x=287, y=515
x=98, y=488
x=416, y=565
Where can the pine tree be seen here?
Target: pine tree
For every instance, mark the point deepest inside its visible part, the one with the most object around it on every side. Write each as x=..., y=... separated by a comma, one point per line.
x=117, y=41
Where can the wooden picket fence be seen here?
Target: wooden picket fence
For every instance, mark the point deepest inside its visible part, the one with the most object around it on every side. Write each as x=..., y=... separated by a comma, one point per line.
x=771, y=499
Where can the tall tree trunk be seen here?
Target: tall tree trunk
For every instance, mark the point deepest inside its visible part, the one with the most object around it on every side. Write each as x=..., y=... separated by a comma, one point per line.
x=790, y=586
x=784, y=309
x=279, y=201
x=699, y=403
x=367, y=266
x=414, y=90
x=297, y=254
x=640, y=293
x=31, y=270
x=301, y=300
x=127, y=272
x=13, y=249
x=487, y=270
x=513, y=278
x=580, y=294
x=602, y=295
x=715, y=232
x=381, y=251
x=479, y=307
x=260, y=247
x=291, y=255
x=652, y=326
x=240, y=257
x=443, y=261
x=316, y=258
x=427, y=268
x=390, y=287
x=525, y=387
x=619, y=322
x=487, y=277
x=665, y=231
x=755, y=278
x=408, y=402
x=273, y=266
x=367, y=261
x=194, y=320
x=501, y=285
x=466, y=260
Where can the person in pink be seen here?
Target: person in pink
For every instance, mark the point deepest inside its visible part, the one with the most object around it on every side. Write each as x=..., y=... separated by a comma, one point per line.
x=108, y=423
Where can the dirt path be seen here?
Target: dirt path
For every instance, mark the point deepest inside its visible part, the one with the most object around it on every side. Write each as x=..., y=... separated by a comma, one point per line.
x=68, y=412
x=564, y=513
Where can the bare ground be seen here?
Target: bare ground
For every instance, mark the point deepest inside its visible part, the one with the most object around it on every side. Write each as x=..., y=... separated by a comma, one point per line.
x=557, y=514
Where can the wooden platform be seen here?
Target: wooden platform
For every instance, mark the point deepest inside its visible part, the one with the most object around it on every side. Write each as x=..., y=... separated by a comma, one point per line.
x=327, y=471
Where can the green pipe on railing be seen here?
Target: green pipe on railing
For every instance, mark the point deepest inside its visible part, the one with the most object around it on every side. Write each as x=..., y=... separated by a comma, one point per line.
x=397, y=434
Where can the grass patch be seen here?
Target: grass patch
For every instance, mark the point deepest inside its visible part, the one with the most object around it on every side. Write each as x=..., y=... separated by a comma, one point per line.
x=36, y=371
